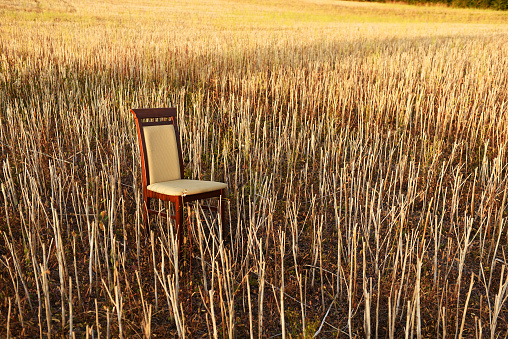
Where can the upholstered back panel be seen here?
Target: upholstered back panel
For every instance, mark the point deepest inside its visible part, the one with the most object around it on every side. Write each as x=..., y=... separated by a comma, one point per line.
x=161, y=153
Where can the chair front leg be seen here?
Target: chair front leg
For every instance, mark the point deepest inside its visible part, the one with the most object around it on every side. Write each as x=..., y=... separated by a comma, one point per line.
x=179, y=221
x=146, y=206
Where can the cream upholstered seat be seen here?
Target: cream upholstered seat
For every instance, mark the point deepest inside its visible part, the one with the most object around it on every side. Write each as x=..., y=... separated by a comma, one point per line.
x=186, y=187
x=162, y=166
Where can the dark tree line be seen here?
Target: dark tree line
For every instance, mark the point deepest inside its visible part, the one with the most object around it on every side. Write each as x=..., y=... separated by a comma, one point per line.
x=493, y=4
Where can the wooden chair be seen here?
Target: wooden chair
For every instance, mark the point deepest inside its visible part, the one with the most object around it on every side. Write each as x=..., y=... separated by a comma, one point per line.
x=162, y=166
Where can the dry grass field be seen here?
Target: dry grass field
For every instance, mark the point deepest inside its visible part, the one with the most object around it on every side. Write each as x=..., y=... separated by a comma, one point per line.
x=364, y=146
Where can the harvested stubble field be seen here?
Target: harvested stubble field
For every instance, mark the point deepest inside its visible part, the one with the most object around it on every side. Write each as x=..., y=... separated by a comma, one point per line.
x=364, y=145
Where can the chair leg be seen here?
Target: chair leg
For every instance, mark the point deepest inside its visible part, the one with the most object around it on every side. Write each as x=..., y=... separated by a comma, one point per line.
x=221, y=204
x=179, y=222
x=189, y=236
x=189, y=232
x=146, y=206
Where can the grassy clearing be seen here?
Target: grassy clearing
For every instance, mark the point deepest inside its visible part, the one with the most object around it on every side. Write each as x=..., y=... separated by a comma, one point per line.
x=364, y=149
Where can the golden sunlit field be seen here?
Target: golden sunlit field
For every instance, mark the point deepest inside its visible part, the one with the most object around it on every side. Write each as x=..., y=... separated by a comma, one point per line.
x=364, y=146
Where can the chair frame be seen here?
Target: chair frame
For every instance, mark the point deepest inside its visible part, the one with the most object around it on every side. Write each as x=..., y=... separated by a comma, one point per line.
x=167, y=116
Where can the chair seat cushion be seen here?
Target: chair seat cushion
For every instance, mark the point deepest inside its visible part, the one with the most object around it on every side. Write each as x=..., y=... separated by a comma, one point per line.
x=185, y=187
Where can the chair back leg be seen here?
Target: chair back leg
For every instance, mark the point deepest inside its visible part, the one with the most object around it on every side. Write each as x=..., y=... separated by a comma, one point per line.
x=221, y=205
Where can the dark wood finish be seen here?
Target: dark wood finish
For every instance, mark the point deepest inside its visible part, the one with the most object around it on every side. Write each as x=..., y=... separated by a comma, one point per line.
x=156, y=115
x=157, y=123
x=148, y=113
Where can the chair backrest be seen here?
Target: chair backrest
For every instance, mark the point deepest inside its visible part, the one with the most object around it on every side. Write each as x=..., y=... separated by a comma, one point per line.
x=159, y=143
